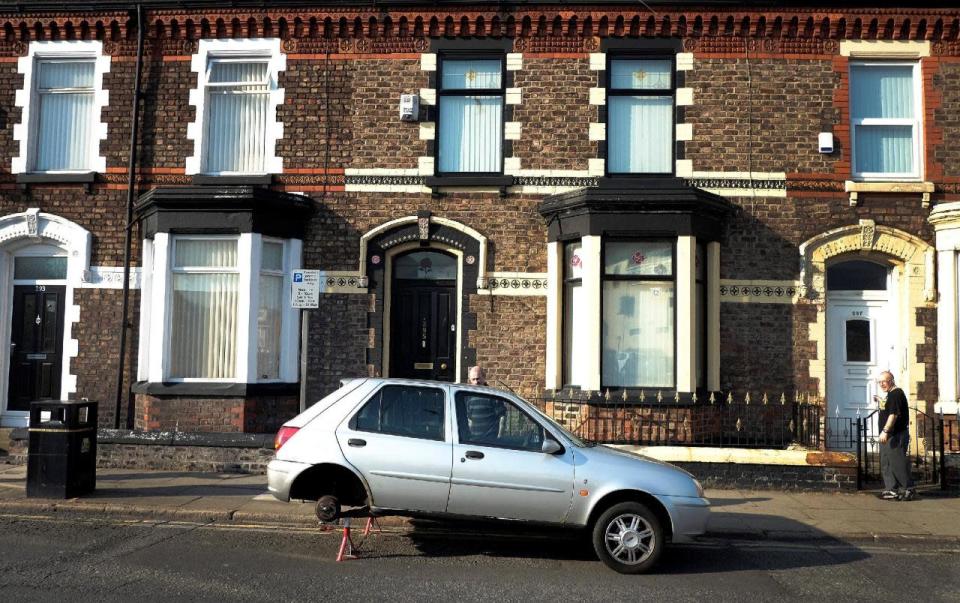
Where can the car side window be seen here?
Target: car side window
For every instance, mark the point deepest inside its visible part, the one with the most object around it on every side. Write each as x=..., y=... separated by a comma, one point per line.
x=486, y=420
x=413, y=412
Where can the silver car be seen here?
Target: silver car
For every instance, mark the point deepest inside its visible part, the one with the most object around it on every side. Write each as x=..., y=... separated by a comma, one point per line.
x=421, y=447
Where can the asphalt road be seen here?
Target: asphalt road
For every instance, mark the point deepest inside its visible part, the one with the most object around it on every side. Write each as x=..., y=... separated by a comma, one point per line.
x=43, y=559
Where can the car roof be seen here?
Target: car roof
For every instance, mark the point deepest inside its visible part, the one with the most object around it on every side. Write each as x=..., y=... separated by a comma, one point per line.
x=432, y=383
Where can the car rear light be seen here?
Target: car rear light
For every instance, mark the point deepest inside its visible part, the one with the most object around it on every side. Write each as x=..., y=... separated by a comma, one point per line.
x=283, y=435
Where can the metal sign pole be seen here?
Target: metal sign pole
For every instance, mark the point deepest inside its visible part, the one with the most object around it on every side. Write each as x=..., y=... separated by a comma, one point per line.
x=304, y=330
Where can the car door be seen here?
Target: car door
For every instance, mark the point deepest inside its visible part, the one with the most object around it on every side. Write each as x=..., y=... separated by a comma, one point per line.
x=399, y=441
x=499, y=469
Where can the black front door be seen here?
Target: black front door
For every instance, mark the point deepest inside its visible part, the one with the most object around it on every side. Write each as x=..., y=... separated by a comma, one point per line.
x=36, y=345
x=423, y=330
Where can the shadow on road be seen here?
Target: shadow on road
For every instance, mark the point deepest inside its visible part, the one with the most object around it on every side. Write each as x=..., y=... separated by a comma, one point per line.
x=796, y=546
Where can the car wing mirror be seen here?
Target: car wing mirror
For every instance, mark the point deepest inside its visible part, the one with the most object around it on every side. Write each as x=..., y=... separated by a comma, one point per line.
x=551, y=446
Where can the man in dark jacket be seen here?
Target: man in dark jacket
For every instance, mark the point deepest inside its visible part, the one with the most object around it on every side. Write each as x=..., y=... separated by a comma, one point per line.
x=894, y=441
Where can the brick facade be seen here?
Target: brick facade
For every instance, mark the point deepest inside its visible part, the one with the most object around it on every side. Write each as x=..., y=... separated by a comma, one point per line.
x=764, y=83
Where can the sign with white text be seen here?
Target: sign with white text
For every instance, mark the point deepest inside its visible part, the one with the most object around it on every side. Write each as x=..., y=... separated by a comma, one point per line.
x=306, y=289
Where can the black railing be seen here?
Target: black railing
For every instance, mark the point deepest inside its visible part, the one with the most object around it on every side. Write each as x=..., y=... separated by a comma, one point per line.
x=721, y=423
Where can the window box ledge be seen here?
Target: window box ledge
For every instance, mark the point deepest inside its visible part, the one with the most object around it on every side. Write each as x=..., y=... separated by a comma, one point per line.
x=923, y=188
x=245, y=180
x=860, y=186
x=215, y=389
x=501, y=182
x=86, y=178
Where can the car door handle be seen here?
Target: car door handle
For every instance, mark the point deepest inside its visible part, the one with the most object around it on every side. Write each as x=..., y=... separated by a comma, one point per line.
x=473, y=454
x=356, y=442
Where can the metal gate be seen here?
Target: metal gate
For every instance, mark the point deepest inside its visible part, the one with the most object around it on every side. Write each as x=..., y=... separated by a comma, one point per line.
x=925, y=451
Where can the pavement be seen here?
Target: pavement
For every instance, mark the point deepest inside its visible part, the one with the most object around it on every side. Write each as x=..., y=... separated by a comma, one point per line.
x=242, y=499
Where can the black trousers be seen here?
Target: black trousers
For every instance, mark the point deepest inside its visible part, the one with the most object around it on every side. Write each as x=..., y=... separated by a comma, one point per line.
x=894, y=462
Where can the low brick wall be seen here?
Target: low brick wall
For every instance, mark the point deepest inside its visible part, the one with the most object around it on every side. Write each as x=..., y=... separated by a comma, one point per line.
x=250, y=414
x=170, y=451
x=772, y=477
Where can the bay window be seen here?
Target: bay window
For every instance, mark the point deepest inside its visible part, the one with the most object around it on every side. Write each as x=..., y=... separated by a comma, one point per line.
x=638, y=314
x=470, y=122
x=885, y=114
x=640, y=122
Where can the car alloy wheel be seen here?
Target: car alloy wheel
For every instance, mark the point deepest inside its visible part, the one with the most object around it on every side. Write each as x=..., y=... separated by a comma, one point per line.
x=628, y=538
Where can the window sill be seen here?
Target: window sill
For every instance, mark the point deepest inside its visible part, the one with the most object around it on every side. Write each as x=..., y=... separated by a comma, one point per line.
x=215, y=389
x=86, y=178
x=239, y=180
x=922, y=188
x=888, y=186
x=501, y=182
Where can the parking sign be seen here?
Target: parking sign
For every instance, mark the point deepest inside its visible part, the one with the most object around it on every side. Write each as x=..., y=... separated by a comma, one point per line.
x=306, y=289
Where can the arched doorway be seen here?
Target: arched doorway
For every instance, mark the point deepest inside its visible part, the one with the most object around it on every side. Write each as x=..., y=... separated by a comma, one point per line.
x=423, y=315
x=861, y=342
x=43, y=259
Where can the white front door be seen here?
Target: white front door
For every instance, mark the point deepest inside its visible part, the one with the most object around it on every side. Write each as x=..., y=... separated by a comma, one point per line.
x=860, y=345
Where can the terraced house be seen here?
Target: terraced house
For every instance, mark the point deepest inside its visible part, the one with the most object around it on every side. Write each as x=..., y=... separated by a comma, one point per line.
x=616, y=207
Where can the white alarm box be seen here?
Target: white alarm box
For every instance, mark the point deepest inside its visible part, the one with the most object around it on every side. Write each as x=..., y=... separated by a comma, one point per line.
x=409, y=107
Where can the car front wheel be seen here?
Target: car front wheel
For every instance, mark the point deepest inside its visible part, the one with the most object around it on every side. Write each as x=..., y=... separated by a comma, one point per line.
x=628, y=538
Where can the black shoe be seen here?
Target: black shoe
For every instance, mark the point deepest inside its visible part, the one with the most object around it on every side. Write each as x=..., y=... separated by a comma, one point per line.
x=909, y=494
x=889, y=495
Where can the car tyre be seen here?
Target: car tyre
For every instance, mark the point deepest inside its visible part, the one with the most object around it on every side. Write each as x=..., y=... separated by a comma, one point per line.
x=328, y=508
x=628, y=538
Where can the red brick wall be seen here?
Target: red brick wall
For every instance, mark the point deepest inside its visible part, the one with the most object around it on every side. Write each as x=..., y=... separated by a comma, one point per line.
x=253, y=414
x=555, y=113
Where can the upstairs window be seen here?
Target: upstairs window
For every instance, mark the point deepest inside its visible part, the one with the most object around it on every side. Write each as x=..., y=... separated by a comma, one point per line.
x=236, y=130
x=640, y=122
x=62, y=100
x=64, y=126
x=885, y=111
x=470, y=121
x=238, y=100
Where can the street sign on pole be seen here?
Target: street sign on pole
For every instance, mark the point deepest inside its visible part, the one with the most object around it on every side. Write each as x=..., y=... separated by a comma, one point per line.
x=306, y=289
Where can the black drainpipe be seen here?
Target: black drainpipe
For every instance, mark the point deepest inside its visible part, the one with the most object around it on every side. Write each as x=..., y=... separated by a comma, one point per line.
x=131, y=182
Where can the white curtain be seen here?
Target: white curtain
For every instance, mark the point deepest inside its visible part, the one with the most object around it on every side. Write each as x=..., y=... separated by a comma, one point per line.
x=470, y=126
x=638, y=334
x=640, y=134
x=203, y=332
x=269, y=315
x=884, y=118
x=575, y=334
x=65, y=115
x=238, y=98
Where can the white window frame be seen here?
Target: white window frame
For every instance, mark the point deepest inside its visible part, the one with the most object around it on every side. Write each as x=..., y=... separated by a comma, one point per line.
x=916, y=123
x=241, y=50
x=156, y=308
x=28, y=99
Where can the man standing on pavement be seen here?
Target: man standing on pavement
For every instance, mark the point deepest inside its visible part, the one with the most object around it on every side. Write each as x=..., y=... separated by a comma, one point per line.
x=894, y=441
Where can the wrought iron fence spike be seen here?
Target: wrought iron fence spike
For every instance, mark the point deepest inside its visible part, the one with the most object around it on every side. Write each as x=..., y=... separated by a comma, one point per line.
x=783, y=399
x=730, y=397
x=713, y=398
x=693, y=398
x=765, y=399
x=746, y=399
x=676, y=397
x=643, y=396
x=659, y=396
x=624, y=394
x=739, y=424
x=606, y=396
